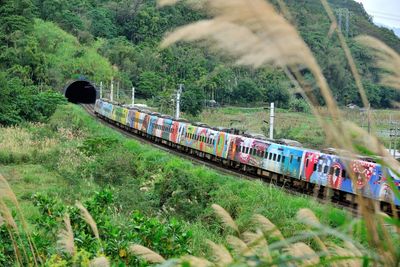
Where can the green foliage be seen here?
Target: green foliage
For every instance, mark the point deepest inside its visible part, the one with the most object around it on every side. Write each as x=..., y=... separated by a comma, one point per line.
x=247, y=91
x=192, y=100
x=150, y=83
x=169, y=238
x=25, y=103
x=96, y=145
x=181, y=193
x=299, y=105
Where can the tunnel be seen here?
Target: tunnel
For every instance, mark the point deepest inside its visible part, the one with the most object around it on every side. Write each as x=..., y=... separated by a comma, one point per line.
x=81, y=92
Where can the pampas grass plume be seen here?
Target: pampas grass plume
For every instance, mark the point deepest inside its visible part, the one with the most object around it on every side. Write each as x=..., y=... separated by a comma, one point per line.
x=146, y=254
x=225, y=217
x=101, y=261
x=88, y=219
x=66, y=237
x=308, y=217
x=220, y=254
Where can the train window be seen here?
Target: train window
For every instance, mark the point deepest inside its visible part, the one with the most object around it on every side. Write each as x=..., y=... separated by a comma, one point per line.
x=263, y=154
x=279, y=158
x=326, y=169
x=251, y=151
x=270, y=156
x=255, y=151
x=299, y=159
x=306, y=163
x=331, y=170
x=283, y=159
x=315, y=166
x=319, y=168
x=291, y=159
x=247, y=150
x=274, y=157
x=344, y=173
x=337, y=172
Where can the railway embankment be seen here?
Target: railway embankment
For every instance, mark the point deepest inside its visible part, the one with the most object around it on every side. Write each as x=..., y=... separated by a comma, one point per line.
x=135, y=193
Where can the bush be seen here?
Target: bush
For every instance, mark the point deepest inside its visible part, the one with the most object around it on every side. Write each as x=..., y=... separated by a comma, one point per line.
x=168, y=238
x=299, y=105
x=112, y=166
x=182, y=193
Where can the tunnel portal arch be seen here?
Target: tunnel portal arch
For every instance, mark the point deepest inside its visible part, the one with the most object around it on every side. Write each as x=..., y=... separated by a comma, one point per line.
x=81, y=91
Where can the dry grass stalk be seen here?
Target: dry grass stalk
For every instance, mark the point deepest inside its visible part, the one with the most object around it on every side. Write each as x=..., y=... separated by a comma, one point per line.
x=101, y=261
x=198, y=262
x=304, y=255
x=308, y=217
x=258, y=243
x=350, y=258
x=387, y=59
x=225, y=217
x=221, y=255
x=88, y=219
x=11, y=229
x=7, y=216
x=7, y=193
x=238, y=246
x=267, y=226
x=146, y=254
x=66, y=237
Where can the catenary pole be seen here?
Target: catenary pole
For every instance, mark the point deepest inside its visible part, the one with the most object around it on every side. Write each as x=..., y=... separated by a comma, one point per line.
x=133, y=96
x=112, y=91
x=101, y=90
x=271, y=121
x=178, y=101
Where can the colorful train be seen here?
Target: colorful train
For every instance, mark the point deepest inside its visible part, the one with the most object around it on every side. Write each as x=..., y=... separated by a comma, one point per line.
x=257, y=155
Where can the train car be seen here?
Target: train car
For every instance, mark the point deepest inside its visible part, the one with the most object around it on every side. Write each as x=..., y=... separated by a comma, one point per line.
x=371, y=179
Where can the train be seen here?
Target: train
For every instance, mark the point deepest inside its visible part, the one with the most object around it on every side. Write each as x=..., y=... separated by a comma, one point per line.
x=258, y=155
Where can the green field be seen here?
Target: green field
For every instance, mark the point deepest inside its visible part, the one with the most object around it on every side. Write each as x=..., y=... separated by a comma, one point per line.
x=136, y=193
x=302, y=127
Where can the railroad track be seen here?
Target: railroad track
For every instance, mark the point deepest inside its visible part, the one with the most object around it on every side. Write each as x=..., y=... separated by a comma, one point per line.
x=320, y=193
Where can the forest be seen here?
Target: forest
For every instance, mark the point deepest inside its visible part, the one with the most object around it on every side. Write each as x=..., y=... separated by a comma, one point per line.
x=47, y=43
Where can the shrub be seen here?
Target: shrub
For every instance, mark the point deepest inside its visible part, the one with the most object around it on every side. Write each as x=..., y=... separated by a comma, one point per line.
x=299, y=105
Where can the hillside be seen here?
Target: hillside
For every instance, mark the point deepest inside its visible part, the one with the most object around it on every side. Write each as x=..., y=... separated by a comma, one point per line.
x=127, y=34
x=133, y=29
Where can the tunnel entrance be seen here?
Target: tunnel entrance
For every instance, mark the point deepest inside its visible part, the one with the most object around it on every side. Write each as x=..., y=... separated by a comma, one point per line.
x=81, y=92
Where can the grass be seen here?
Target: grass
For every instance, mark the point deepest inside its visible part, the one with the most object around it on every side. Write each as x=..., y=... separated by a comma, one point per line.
x=302, y=127
x=185, y=190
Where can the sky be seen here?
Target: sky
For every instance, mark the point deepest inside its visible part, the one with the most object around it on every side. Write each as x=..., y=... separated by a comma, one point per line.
x=386, y=12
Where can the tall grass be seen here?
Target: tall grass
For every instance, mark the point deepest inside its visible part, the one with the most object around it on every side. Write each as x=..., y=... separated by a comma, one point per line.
x=254, y=34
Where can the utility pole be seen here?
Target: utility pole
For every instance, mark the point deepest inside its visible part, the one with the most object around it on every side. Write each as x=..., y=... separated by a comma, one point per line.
x=133, y=96
x=271, y=121
x=112, y=91
x=118, y=91
x=178, y=101
x=101, y=90
x=369, y=118
x=343, y=12
x=347, y=23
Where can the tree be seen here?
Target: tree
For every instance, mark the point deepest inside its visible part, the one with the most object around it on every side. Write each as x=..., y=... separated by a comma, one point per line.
x=149, y=84
x=247, y=91
x=193, y=100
